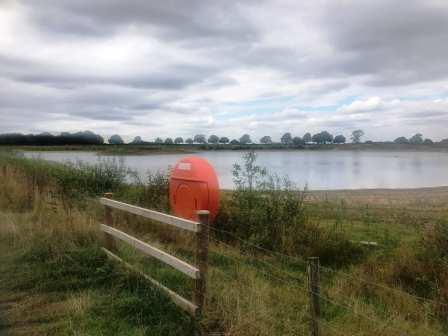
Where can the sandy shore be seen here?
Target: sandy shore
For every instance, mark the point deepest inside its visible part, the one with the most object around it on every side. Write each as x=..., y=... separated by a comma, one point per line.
x=419, y=197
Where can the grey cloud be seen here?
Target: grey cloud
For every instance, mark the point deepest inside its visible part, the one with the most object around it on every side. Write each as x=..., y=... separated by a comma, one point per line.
x=427, y=114
x=174, y=77
x=395, y=43
x=172, y=19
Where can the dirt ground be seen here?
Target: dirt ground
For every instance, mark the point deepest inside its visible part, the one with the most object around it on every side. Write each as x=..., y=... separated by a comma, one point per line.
x=421, y=197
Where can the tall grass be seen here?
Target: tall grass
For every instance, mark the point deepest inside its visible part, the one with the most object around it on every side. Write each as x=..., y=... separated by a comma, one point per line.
x=49, y=254
x=250, y=292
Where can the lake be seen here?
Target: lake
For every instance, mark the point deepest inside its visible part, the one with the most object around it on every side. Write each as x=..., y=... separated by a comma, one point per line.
x=320, y=170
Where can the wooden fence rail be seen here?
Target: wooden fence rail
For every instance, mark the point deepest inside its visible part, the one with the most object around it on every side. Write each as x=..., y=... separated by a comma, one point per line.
x=197, y=272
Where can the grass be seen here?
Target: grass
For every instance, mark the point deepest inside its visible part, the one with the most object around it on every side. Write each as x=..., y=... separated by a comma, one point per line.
x=55, y=280
x=76, y=290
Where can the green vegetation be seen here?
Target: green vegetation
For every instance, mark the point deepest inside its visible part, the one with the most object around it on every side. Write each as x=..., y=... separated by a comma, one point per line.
x=55, y=277
x=55, y=280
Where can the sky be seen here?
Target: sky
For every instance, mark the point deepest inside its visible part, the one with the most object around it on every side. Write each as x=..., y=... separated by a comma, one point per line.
x=179, y=68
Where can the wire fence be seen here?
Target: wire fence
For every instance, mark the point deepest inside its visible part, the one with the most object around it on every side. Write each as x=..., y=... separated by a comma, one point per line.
x=271, y=270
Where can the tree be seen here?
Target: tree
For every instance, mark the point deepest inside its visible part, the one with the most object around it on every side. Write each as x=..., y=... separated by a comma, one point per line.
x=189, y=141
x=322, y=137
x=339, y=139
x=116, y=140
x=137, y=141
x=356, y=136
x=401, y=140
x=266, y=140
x=234, y=142
x=297, y=141
x=213, y=139
x=178, y=140
x=199, y=138
x=224, y=140
x=286, y=139
x=417, y=139
x=428, y=141
x=307, y=138
x=158, y=141
x=47, y=139
x=444, y=141
x=169, y=141
x=245, y=139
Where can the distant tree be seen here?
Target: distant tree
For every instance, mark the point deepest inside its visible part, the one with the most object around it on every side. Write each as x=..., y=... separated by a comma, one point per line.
x=417, y=139
x=328, y=137
x=137, y=141
x=307, y=138
x=401, y=140
x=297, y=141
x=428, y=141
x=266, y=140
x=224, y=140
x=357, y=135
x=158, y=141
x=234, y=142
x=48, y=139
x=116, y=140
x=213, y=139
x=286, y=139
x=189, y=141
x=178, y=140
x=199, y=138
x=169, y=141
x=86, y=137
x=444, y=142
x=339, y=139
x=245, y=139
x=322, y=137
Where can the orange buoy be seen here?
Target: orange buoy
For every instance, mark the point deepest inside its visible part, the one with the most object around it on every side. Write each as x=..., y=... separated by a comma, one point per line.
x=193, y=186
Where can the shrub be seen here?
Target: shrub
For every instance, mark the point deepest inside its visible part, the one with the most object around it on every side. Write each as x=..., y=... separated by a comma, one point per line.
x=151, y=193
x=269, y=211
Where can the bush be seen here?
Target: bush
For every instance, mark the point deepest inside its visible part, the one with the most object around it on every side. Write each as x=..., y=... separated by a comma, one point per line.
x=268, y=211
x=152, y=193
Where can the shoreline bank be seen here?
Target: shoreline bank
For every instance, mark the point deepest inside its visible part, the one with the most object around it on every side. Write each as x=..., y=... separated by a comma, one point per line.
x=147, y=149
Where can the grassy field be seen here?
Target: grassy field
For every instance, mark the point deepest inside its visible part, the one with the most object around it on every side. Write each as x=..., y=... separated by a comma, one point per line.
x=55, y=280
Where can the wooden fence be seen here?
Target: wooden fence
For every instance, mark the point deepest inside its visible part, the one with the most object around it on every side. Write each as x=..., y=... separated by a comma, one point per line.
x=197, y=272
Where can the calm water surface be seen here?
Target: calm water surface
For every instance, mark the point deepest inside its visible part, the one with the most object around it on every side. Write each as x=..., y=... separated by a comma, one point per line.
x=319, y=170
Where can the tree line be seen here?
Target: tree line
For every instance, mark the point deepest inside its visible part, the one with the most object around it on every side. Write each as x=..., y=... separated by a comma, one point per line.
x=48, y=139
x=323, y=137
x=287, y=139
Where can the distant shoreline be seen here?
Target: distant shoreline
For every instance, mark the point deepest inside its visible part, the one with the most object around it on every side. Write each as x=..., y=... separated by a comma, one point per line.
x=129, y=149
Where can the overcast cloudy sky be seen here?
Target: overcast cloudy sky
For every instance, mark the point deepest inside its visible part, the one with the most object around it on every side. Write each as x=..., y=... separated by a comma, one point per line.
x=178, y=68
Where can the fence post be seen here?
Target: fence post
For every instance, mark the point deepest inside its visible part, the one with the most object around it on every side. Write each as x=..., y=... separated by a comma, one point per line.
x=202, y=259
x=110, y=243
x=314, y=292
